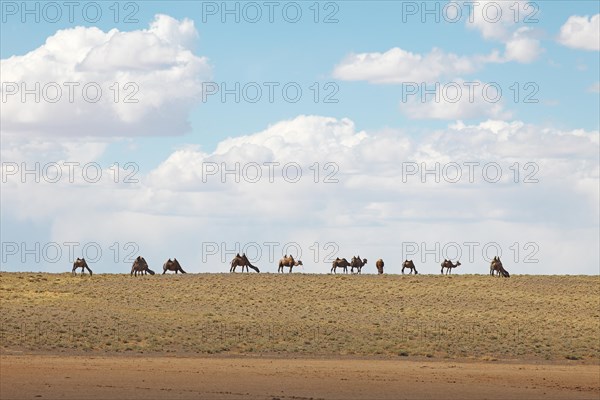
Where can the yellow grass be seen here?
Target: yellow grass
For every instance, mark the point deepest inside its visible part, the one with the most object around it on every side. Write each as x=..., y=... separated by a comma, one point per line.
x=460, y=316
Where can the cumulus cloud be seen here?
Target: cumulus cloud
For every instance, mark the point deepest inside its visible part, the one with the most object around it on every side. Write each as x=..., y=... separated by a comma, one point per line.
x=397, y=66
x=581, y=32
x=177, y=208
x=522, y=46
x=148, y=79
x=503, y=22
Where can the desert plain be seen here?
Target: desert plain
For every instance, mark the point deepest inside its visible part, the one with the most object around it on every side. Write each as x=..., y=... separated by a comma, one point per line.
x=299, y=336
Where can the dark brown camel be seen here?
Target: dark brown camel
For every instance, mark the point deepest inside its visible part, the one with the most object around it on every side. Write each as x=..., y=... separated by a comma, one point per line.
x=80, y=263
x=172, y=266
x=288, y=262
x=340, y=263
x=496, y=266
x=449, y=265
x=410, y=265
x=379, y=264
x=357, y=263
x=243, y=262
x=140, y=265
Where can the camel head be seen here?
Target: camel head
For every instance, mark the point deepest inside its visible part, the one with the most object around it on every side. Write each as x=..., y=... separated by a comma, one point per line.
x=364, y=261
x=457, y=263
x=299, y=262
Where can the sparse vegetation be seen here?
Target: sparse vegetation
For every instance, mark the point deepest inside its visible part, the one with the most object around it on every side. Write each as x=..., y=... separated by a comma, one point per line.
x=463, y=316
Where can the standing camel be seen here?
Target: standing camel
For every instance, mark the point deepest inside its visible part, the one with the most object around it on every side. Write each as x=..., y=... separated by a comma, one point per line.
x=357, y=263
x=449, y=265
x=140, y=265
x=288, y=262
x=496, y=266
x=172, y=266
x=410, y=265
x=243, y=262
x=379, y=264
x=80, y=263
x=340, y=263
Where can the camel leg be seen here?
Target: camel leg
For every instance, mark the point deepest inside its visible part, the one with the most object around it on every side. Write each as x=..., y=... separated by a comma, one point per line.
x=176, y=271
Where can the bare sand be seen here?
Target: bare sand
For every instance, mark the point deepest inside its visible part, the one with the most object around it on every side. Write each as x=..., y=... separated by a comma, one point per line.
x=143, y=377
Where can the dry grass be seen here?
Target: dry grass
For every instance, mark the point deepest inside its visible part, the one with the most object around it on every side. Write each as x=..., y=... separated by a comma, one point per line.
x=462, y=316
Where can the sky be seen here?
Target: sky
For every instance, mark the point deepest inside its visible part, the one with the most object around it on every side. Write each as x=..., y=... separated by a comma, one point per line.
x=381, y=129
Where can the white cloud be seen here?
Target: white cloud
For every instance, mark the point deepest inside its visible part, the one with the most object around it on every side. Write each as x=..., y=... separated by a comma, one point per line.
x=502, y=22
x=172, y=212
x=522, y=47
x=581, y=32
x=397, y=66
x=165, y=78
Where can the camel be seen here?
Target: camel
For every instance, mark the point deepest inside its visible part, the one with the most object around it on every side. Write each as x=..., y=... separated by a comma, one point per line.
x=340, y=263
x=172, y=266
x=379, y=264
x=449, y=265
x=140, y=265
x=410, y=265
x=496, y=266
x=243, y=262
x=357, y=263
x=80, y=263
x=288, y=262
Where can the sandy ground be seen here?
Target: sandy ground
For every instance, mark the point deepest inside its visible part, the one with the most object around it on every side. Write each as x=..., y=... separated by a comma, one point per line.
x=78, y=377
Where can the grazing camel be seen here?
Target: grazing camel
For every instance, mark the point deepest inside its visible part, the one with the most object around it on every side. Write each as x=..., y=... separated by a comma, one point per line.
x=410, y=265
x=379, y=264
x=496, y=266
x=449, y=265
x=172, y=266
x=357, y=263
x=140, y=265
x=243, y=262
x=340, y=263
x=80, y=263
x=288, y=262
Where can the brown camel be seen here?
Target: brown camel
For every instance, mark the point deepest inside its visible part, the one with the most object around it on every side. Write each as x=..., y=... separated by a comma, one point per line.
x=496, y=266
x=243, y=262
x=449, y=265
x=357, y=263
x=80, y=263
x=379, y=264
x=172, y=266
x=288, y=262
x=140, y=265
x=340, y=263
x=410, y=265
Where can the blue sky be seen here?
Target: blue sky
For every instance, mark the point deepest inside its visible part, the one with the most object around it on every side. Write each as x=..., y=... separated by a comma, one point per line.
x=562, y=67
